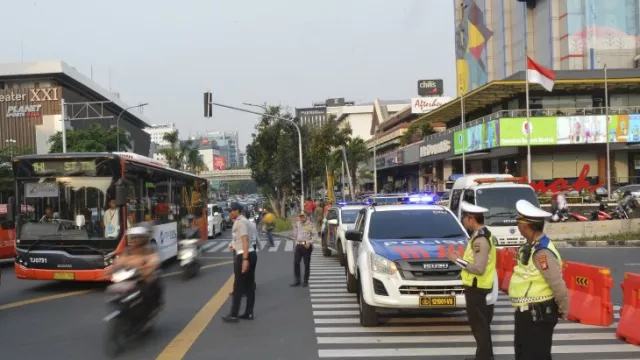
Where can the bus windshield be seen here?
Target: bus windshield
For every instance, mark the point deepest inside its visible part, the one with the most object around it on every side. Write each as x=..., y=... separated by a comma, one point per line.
x=52, y=194
x=501, y=203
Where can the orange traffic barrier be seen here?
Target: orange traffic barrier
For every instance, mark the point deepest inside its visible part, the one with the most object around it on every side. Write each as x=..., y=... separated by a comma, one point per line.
x=508, y=263
x=628, y=328
x=589, y=293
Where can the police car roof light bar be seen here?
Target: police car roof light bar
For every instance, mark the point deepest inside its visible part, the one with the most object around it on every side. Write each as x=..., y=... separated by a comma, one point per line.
x=497, y=180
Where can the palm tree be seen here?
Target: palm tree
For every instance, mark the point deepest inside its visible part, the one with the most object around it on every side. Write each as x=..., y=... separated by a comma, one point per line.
x=357, y=154
x=181, y=155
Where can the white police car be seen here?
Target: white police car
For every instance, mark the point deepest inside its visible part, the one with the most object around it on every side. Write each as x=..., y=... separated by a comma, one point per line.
x=401, y=263
x=339, y=219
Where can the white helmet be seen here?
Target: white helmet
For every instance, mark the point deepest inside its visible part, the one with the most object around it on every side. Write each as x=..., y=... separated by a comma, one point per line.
x=138, y=230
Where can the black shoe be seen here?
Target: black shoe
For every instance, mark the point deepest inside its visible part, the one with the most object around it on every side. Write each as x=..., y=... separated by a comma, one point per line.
x=294, y=284
x=246, y=317
x=306, y=284
x=230, y=319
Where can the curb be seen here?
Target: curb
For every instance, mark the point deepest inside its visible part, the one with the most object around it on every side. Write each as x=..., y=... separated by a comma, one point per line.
x=595, y=243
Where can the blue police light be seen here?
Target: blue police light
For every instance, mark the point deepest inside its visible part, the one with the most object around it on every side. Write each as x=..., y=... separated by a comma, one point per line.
x=422, y=199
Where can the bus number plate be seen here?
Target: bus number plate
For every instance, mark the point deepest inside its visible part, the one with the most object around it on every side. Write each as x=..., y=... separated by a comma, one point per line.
x=64, y=276
x=437, y=301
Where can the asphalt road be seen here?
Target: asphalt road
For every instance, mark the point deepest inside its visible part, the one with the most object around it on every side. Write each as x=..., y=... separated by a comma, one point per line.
x=64, y=320
x=618, y=259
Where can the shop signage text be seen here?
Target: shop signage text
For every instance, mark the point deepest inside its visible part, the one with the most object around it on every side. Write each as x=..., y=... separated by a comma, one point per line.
x=40, y=94
x=430, y=87
x=423, y=105
x=439, y=148
x=14, y=111
x=563, y=185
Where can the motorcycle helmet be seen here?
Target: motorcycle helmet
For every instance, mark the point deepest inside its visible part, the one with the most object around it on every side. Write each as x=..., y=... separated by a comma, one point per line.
x=138, y=235
x=626, y=193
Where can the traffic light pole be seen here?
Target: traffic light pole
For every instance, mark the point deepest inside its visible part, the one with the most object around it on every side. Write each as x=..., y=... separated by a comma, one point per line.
x=299, y=141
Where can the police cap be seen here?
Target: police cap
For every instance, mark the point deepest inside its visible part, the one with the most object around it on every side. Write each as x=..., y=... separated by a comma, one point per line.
x=530, y=213
x=472, y=209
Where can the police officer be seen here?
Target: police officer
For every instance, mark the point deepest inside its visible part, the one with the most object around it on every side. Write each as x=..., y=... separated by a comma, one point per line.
x=478, y=275
x=536, y=289
x=303, y=235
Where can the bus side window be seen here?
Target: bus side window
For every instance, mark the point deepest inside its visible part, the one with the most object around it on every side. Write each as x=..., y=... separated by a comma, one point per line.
x=455, y=200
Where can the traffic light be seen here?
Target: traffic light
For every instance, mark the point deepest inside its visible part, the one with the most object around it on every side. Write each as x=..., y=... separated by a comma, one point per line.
x=295, y=182
x=208, y=104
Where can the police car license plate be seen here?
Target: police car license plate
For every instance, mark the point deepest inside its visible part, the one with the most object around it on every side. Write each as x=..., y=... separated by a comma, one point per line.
x=437, y=301
x=64, y=276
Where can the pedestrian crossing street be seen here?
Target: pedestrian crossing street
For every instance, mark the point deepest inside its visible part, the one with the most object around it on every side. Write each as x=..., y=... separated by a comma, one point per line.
x=340, y=336
x=221, y=245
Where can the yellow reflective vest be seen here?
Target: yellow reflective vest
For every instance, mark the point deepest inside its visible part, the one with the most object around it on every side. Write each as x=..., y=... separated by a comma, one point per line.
x=484, y=281
x=527, y=285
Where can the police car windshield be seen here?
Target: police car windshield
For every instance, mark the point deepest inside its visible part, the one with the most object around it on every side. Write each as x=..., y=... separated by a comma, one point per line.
x=501, y=202
x=414, y=224
x=349, y=216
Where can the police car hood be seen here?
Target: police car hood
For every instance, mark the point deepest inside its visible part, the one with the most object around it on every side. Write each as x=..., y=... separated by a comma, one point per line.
x=417, y=249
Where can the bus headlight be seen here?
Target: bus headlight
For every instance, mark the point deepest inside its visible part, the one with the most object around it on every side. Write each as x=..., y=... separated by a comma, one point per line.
x=382, y=265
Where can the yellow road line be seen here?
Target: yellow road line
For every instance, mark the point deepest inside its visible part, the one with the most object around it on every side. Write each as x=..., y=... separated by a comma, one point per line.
x=82, y=292
x=180, y=345
x=42, y=299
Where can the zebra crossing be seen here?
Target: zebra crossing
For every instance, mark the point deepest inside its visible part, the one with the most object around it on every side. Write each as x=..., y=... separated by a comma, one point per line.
x=221, y=245
x=340, y=336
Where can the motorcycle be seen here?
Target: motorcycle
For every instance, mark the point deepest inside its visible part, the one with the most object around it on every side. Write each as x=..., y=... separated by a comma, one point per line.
x=129, y=316
x=601, y=213
x=189, y=253
x=560, y=216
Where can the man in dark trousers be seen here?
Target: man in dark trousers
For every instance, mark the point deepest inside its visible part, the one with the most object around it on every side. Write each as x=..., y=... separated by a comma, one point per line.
x=243, y=267
x=478, y=275
x=303, y=235
x=536, y=289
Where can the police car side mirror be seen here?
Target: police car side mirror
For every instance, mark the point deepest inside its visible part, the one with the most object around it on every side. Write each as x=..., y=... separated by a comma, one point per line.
x=332, y=222
x=353, y=235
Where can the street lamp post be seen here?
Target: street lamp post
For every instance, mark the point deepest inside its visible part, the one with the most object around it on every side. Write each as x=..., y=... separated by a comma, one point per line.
x=118, y=122
x=277, y=118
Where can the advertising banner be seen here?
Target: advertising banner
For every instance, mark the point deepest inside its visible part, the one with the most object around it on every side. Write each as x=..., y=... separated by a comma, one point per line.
x=581, y=130
x=423, y=105
x=634, y=127
x=513, y=131
x=479, y=137
x=618, y=128
x=219, y=163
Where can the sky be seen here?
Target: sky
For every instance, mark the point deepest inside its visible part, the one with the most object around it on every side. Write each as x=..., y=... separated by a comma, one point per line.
x=282, y=52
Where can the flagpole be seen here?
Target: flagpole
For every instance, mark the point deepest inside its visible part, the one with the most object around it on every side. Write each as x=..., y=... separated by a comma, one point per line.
x=464, y=143
x=526, y=76
x=606, y=112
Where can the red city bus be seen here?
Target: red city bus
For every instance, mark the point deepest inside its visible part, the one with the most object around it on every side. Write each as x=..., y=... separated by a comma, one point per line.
x=82, y=204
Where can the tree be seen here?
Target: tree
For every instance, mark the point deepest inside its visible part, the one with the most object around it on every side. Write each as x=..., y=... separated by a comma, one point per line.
x=94, y=138
x=272, y=156
x=181, y=155
x=416, y=131
x=357, y=154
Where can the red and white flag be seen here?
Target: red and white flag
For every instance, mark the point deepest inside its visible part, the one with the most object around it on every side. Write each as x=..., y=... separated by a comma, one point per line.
x=538, y=74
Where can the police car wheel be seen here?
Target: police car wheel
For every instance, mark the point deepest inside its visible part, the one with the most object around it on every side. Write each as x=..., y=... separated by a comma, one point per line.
x=341, y=255
x=368, y=314
x=352, y=284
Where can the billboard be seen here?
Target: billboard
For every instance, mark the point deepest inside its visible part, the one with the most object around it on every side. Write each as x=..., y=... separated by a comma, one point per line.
x=476, y=138
x=423, y=105
x=219, y=163
x=434, y=87
x=513, y=131
x=626, y=128
x=581, y=130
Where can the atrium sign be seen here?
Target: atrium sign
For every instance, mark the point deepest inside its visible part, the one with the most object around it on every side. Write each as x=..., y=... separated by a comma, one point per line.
x=433, y=149
x=35, y=95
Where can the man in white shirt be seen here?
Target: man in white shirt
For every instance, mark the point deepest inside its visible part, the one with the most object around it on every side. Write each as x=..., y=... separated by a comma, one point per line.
x=111, y=221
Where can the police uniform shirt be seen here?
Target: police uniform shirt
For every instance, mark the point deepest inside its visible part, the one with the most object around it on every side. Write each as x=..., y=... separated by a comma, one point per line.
x=481, y=248
x=253, y=233
x=551, y=269
x=303, y=231
x=240, y=229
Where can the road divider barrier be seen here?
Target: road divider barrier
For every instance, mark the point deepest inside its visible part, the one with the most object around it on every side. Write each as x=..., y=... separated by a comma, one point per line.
x=507, y=261
x=589, y=293
x=629, y=323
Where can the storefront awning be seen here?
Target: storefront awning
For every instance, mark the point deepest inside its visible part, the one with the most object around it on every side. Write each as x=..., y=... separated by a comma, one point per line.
x=573, y=82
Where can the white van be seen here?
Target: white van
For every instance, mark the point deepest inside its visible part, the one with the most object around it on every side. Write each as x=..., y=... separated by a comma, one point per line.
x=499, y=194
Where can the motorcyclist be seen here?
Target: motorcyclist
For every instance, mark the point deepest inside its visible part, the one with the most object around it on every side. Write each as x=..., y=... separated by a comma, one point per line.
x=138, y=254
x=559, y=207
x=627, y=203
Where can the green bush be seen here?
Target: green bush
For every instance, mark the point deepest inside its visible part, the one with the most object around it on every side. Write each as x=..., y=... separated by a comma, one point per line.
x=283, y=225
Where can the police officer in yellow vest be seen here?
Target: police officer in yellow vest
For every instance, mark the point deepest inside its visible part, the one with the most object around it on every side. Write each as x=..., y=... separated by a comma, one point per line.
x=537, y=290
x=478, y=274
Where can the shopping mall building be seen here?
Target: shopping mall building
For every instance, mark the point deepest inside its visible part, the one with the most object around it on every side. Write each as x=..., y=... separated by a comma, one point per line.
x=30, y=106
x=569, y=129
